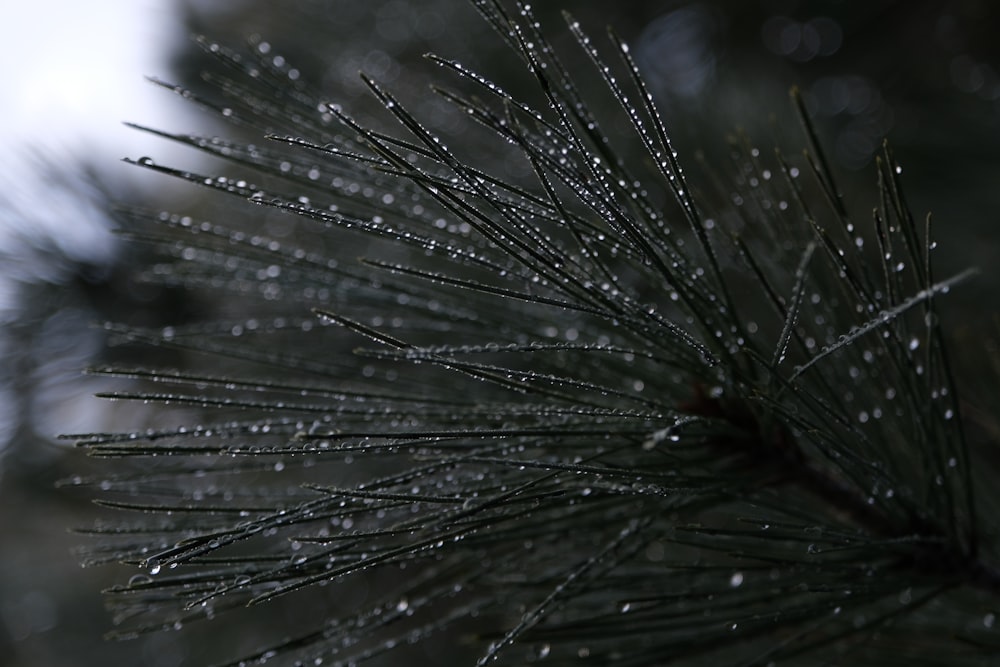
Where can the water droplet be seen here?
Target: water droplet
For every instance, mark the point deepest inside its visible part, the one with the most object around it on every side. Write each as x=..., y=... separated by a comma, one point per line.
x=139, y=580
x=736, y=580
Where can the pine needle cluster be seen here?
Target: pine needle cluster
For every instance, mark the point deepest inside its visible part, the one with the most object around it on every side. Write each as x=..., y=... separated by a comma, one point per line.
x=569, y=406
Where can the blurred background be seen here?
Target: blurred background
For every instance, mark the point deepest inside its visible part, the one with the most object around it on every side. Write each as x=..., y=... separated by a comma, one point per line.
x=925, y=74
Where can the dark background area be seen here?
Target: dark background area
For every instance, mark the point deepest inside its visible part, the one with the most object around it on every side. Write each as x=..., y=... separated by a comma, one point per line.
x=924, y=74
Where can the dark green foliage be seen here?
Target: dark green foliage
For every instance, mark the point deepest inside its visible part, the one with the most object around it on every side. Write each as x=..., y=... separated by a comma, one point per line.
x=596, y=409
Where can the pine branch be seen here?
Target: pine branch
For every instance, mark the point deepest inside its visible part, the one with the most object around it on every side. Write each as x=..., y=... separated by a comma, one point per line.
x=593, y=418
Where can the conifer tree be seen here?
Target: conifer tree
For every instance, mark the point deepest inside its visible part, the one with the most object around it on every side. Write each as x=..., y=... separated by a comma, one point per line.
x=542, y=395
